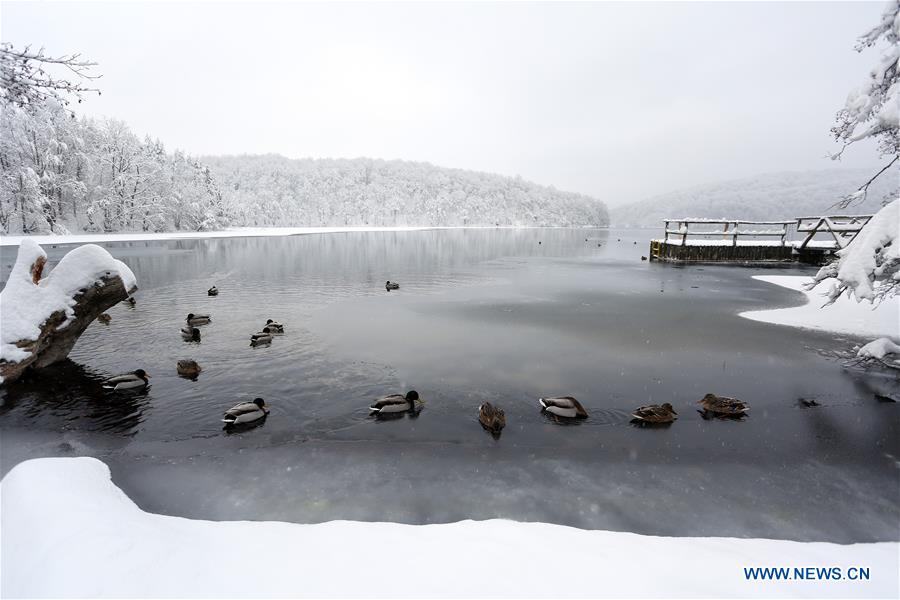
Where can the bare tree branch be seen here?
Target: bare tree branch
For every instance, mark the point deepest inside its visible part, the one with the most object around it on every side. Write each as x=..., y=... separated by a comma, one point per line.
x=26, y=80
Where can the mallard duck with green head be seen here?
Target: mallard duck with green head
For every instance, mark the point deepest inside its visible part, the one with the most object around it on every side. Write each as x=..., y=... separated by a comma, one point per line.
x=128, y=381
x=246, y=413
x=274, y=326
x=262, y=338
x=396, y=403
x=195, y=320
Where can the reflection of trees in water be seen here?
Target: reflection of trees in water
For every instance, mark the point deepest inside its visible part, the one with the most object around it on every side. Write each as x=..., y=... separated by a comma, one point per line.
x=69, y=396
x=350, y=257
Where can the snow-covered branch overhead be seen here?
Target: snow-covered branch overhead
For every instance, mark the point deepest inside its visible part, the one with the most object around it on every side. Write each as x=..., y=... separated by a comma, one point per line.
x=873, y=109
x=27, y=78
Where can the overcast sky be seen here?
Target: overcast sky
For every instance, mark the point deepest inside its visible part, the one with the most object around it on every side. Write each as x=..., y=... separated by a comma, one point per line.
x=619, y=101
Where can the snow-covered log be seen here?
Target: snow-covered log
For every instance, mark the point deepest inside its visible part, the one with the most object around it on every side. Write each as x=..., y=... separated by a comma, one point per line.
x=42, y=318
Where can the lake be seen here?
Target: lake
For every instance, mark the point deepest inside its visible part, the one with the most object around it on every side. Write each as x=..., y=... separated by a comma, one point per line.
x=500, y=315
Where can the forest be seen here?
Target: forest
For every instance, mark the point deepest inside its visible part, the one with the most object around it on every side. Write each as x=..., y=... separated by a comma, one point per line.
x=65, y=174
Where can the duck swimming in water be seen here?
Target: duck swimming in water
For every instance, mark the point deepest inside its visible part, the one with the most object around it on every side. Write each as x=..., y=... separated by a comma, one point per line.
x=193, y=319
x=213, y=291
x=389, y=285
x=491, y=418
x=130, y=301
x=655, y=413
x=127, y=381
x=564, y=406
x=396, y=403
x=190, y=334
x=245, y=413
x=261, y=338
x=722, y=406
x=104, y=318
x=188, y=368
x=274, y=326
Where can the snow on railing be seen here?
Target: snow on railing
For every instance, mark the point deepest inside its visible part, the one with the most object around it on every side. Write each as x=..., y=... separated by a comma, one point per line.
x=731, y=229
x=843, y=228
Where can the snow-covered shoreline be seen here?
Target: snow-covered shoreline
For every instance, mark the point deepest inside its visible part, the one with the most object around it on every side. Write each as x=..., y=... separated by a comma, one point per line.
x=68, y=531
x=137, y=236
x=845, y=316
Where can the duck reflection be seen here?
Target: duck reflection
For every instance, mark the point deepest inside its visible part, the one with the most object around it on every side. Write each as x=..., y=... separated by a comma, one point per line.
x=67, y=395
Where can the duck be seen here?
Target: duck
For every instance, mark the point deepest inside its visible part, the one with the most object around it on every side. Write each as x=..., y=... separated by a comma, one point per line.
x=246, y=412
x=263, y=337
x=104, y=318
x=130, y=301
x=127, y=381
x=274, y=326
x=808, y=402
x=388, y=285
x=193, y=319
x=395, y=403
x=655, y=413
x=188, y=368
x=723, y=406
x=213, y=291
x=643, y=258
x=190, y=334
x=491, y=418
x=564, y=406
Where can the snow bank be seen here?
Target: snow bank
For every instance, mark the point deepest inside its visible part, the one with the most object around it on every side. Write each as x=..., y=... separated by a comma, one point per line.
x=844, y=316
x=69, y=532
x=25, y=306
x=878, y=348
x=81, y=238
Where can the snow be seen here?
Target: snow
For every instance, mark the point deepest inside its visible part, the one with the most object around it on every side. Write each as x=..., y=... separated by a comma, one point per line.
x=68, y=531
x=25, y=306
x=859, y=262
x=879, y=348
x=11, y=240
x=728, y=242
x=844, y=316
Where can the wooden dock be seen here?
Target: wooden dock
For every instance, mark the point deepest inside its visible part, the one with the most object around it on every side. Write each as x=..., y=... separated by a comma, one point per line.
x=756, y=242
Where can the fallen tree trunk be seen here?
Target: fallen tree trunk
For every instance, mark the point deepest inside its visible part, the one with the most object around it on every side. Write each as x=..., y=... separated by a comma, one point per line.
x=43, y=318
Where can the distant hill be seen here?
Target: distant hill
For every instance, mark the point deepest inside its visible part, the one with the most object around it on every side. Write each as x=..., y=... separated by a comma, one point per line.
x=271, y=190
x=769, y=196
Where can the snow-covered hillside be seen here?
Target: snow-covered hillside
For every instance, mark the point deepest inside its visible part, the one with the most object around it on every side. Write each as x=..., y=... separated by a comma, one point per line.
x=273, y=190
x=770, y=196
x=60, y=174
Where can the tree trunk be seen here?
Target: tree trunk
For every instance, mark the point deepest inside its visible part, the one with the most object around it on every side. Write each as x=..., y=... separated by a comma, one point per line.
x=54, y=344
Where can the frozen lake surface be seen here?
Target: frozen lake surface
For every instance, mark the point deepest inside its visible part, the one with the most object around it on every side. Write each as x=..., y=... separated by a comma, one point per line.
x=499, y=315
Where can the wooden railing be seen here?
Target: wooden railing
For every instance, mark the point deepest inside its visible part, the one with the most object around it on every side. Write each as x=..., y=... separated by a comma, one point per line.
x=843, y=228
x=731, y=229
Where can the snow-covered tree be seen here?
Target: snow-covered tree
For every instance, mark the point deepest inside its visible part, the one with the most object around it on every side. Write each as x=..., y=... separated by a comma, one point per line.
x=272, y=190
x=869, y=268
x=872, y=110
x=29, y=78
x=58, y=173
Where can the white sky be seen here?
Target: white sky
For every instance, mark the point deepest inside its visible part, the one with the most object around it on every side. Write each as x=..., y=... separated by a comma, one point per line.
x=616, y=100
